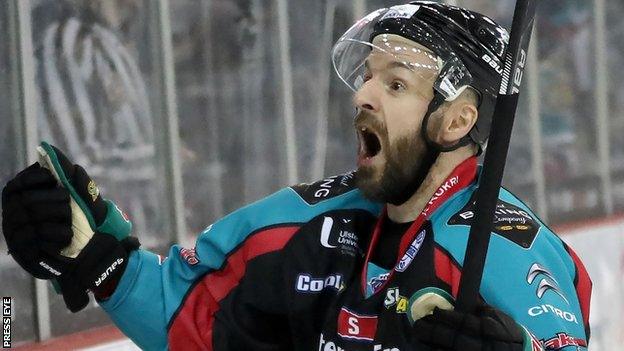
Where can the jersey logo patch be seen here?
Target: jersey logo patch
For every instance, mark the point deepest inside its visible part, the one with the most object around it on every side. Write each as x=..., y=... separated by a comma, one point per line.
x=356, y=326
x=307, y=283
x=325, y=189
x=548, y=281
x=548, y=309
x=412, y=250
x=190, y=256
x=378, y=281
x=563, y=340
x=340, y=235
x=393, y=298
x=536, y=345
x=510, y=222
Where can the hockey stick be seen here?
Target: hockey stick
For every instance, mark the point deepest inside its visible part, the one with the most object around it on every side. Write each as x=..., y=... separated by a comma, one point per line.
x=496, y=154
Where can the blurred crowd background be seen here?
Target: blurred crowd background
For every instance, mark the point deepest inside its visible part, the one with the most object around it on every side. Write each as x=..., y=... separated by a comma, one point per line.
x=185, y=110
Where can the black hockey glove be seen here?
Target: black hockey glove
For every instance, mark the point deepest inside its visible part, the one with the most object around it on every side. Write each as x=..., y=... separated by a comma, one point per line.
x=487, y=330
x=57, y=226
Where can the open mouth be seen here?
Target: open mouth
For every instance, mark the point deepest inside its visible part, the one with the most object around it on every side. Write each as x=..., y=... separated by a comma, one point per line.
x=369, y=143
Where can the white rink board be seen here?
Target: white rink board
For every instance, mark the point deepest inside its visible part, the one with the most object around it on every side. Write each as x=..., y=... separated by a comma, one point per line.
x=601, y=248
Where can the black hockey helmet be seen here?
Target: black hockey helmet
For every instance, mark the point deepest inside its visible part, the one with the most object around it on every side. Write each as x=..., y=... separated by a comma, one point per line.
x=469, y=46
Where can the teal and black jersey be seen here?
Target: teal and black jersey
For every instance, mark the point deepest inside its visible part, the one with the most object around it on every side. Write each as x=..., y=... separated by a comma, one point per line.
x=292, y=272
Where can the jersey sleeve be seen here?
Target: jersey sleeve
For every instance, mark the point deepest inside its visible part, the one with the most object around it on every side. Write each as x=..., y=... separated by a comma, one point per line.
x=170, y=303
x=529, y=273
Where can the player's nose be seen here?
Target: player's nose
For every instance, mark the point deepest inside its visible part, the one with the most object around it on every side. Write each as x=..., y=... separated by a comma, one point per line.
x=367, y=97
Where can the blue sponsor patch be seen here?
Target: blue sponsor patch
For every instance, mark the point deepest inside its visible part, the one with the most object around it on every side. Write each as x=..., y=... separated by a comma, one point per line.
x=411, y=252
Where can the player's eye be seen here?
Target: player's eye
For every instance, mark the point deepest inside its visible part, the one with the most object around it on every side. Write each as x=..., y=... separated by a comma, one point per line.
x=397, y=85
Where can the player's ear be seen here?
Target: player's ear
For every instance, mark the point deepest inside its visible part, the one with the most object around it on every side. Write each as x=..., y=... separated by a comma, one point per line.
x=457, y=122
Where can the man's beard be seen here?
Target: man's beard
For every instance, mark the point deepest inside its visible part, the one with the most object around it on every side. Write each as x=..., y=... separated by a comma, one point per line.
x=406, y=165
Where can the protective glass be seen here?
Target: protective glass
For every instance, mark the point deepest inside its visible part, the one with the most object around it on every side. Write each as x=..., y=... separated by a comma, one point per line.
x=429, y=58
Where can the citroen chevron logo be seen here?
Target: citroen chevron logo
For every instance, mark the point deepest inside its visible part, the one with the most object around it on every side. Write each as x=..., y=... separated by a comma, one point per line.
x=548, y=282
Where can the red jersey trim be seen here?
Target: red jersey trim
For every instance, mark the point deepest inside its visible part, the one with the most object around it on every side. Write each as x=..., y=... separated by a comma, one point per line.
x=446, y=269
x=192, y=328
x=583, y=285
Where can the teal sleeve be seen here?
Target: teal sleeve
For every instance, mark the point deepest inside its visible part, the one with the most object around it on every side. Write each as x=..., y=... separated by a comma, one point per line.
x=535, y=285
x=153, y=288
x=137, y=306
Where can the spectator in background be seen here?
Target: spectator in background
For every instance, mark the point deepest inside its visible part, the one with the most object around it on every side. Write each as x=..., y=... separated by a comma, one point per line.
x=93, y=97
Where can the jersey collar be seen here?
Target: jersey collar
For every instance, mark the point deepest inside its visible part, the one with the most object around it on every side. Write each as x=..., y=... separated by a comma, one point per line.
x=461, y=177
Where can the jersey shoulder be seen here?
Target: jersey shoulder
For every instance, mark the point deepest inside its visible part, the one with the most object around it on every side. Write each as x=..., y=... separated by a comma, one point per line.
x=514, y=224
x=520, y=241
x=529, y=272
x=293, y=206
x=339, y=192
x=325, y=189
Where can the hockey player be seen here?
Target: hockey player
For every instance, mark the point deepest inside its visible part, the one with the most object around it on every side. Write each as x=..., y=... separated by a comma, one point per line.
x=350, y=262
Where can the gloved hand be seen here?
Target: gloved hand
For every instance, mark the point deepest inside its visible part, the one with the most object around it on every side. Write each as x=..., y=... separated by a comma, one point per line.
x=488, y=329
x=57, y=226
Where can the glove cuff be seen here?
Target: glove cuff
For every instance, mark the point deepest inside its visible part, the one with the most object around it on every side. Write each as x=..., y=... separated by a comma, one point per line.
x=116, y=223
x=98, y=268
x=107, y=289
x=103, y=259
